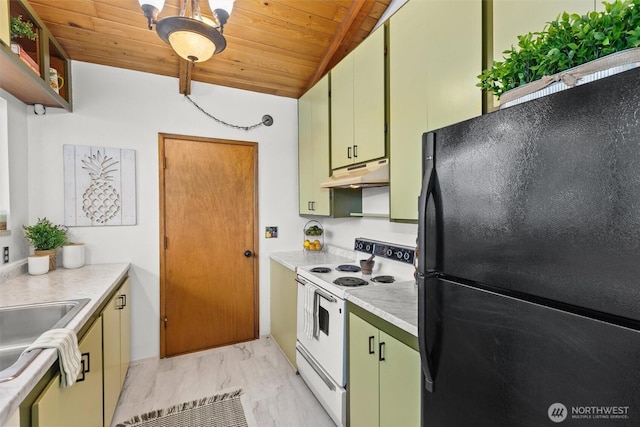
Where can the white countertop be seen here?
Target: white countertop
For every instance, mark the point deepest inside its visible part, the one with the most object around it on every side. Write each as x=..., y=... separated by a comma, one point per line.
x=331, y=255
x=397, y=303
x=95, y=282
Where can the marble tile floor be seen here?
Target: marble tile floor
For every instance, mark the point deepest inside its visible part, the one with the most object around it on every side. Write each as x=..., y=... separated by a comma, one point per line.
x=273, y=394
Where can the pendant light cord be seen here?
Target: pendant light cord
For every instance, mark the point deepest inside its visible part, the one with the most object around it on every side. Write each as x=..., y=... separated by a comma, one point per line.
x=267, y=120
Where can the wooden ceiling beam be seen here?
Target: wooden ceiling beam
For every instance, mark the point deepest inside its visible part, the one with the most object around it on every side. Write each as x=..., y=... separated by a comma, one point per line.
x=186, y=69
x=347, y=30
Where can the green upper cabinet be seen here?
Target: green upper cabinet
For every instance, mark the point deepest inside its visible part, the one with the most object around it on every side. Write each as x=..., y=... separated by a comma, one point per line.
x=432, y=83
x=313, y=149
x=512, y=18
x=5, y=34
x=358, y=104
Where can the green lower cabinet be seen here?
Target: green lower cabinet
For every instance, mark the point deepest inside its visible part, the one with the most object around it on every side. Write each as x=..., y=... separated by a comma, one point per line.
x=399, y=383
x=384, y=378
x=81, y=404
x=364, y=381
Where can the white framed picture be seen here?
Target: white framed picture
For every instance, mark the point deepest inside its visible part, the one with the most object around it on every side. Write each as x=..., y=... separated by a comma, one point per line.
x=99, y=186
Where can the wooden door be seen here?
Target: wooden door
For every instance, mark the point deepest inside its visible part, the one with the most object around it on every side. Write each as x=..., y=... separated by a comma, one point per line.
x=208, y=197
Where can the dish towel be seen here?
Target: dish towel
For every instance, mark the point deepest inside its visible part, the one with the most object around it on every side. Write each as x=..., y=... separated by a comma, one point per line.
x=309, y=308
x=69, y=357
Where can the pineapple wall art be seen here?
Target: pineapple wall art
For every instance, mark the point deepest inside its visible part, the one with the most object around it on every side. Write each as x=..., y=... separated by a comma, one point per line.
x=99, y=186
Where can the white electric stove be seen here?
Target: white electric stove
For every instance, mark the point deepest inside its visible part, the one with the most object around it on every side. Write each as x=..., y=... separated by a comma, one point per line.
x=321, y=315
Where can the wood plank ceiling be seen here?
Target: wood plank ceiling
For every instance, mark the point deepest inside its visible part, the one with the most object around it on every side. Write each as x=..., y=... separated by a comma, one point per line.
x=279, y=47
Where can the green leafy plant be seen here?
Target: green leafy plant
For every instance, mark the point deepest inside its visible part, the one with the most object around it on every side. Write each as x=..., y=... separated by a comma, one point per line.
x=44, y=235
x=567, y=42
x=21, y=29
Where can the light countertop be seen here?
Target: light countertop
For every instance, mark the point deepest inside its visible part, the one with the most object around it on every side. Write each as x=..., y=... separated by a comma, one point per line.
x=331, y=255
x=95, y=282
x=397, y=303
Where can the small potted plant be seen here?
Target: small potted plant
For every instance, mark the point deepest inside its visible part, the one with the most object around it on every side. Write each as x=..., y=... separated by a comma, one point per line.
x=21, y=29
x=566, y=51
x=46, y=238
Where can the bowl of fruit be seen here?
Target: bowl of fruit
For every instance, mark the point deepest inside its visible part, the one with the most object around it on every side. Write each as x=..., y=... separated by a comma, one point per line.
x=313, y=236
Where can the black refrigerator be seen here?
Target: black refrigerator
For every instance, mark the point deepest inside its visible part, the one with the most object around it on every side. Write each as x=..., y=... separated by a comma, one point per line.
x=529, y=263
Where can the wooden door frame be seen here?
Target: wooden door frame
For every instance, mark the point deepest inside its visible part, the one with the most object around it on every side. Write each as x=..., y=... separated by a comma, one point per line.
x=256, y=264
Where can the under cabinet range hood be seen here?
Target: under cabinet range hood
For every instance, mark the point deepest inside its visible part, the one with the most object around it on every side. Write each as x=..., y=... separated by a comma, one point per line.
x=370, y=174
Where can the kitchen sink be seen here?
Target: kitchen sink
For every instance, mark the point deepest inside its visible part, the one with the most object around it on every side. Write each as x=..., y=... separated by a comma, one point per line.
x=21, y=325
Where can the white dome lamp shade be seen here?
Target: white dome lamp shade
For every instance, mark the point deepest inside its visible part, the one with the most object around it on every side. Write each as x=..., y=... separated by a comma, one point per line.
x=222, y=9
x=193, y=38
x=151, y=9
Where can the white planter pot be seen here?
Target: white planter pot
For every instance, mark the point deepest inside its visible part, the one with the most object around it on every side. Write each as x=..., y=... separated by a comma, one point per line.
x=38, y=264
x=585, y=73
x=73, y=255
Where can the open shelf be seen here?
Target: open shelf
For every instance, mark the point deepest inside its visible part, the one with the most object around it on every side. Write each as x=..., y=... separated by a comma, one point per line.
x=31, y=84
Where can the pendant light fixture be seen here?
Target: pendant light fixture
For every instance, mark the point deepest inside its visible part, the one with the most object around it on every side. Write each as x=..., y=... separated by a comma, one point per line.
x=192, y=36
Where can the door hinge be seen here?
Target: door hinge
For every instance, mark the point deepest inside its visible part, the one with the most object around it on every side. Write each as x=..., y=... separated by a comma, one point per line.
x=165, y=242
x=164, y=320
x=164, y=163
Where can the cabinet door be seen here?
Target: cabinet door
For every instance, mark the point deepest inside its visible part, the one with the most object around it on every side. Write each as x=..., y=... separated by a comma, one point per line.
x=369, y=98
x=363, y=384
x=81, y=404
x=512, y=18
x=284, y=294
x=111, y=354
x=5, y=34
x=305, y=153
x=399, y=383
x=342, y=113
x=432, y=84
x=320, y=150
x=313, y=149
x=125, y=331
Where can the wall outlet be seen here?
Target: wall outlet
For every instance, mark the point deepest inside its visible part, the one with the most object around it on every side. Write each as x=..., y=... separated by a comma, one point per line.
x=5, y=255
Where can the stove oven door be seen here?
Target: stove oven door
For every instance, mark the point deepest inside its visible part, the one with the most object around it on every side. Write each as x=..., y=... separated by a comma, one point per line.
x=321, y=328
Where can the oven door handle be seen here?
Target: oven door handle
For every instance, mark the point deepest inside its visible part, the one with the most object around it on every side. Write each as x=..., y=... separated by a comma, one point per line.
x=320, y=292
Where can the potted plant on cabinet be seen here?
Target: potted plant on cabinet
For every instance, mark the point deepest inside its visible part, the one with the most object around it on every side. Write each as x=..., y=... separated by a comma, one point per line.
x=46, y=238
x=571, y=50
x=22, y=29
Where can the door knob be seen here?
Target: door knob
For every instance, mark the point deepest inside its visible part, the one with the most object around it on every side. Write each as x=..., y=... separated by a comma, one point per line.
x=248, y=253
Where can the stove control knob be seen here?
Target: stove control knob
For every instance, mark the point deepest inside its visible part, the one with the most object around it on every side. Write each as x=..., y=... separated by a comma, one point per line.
x=399, y=254
x=389, y=252
x=407, y=256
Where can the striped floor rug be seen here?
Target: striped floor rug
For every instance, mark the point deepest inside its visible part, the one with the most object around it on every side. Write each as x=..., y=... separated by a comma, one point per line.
x=223, y=410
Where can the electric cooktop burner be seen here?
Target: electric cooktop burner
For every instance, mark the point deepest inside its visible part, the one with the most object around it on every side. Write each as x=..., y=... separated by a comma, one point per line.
x=348, y=268
x=320, y=270
x=384, y=279
x=350, y=281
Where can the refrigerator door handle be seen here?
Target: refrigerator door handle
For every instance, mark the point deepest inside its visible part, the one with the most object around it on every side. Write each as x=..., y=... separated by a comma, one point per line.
x=425, y=358
x=428, y=186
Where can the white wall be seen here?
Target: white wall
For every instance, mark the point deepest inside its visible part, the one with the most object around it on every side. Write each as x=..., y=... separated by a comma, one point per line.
x=18, y=174
x=343, y=231
x=127, y=109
